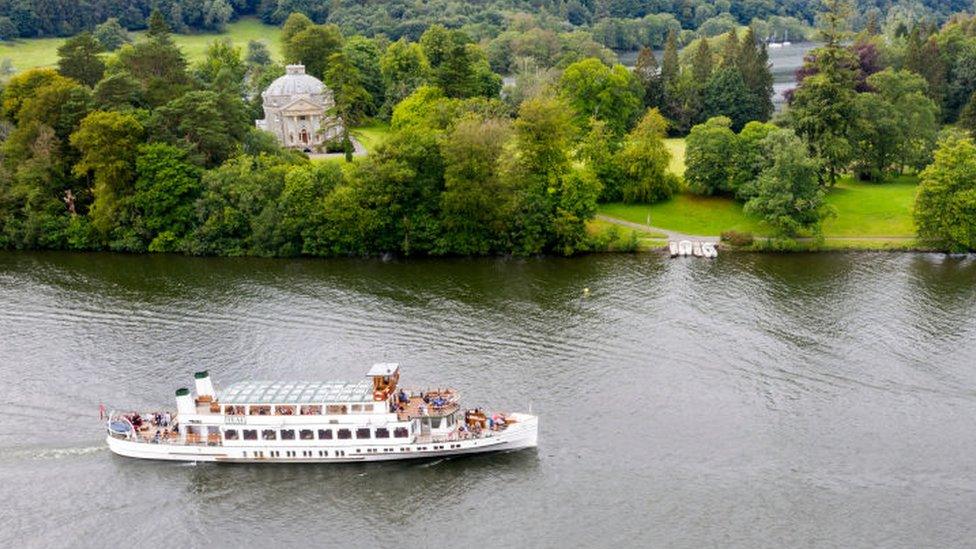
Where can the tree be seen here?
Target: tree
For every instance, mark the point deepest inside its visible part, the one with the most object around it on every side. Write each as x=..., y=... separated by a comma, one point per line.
x=923, y=56
x=476, y=202
x=756, y=73
x=78, y=59
x=294, y=223
x=404, y=68
x=222, y=68
x=643, y=161
x=945, y=206
x=364, y=54
x=258, y=54
x=209, y=123
x=166, y=188
x=702, y=63
x=896, y=125
x=730, y=51
x=749, y=157
x=312, y=47
x=156, y=63
x=726, y=94
x=707, y=153
x=108, y=143
x=23, y=86
x=787, y=194
x=598, y=150
x=352, y=101
x=649, y=75
x=594, y=90
x=111, y=34
x=544, y=131
x=669, y=64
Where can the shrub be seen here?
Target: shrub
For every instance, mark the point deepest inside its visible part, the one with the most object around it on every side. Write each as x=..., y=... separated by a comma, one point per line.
x=738, y=239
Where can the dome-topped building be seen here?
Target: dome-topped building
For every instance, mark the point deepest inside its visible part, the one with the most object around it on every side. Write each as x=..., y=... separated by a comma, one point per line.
x=295, y=110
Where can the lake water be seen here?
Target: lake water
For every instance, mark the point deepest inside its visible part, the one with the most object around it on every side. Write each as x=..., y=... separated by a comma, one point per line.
x=751, y=401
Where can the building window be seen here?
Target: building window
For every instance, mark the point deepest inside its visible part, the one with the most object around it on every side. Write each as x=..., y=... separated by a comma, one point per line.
x=268, y=434
x=344, y=434
x=400, y=432
x=231, y=434
x=287, y=434
x=306, y=434
x=362, y=433
x=250, y=434
x=325, y=434
x=382, y=432
x=303, y=117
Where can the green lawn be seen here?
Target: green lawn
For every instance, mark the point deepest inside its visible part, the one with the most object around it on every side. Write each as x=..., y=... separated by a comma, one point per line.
x=872, y=209
x=40, y=52
x=677, y=147
x=372, y=134
x=863, y=209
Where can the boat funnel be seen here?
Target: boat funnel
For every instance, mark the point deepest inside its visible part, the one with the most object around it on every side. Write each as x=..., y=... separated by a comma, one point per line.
x=205, y=387
x=184, y=402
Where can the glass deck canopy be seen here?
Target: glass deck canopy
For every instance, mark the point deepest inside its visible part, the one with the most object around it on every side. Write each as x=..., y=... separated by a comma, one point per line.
x=296, y=392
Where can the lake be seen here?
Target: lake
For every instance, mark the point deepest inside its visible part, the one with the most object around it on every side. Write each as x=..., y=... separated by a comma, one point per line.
x=751, y=401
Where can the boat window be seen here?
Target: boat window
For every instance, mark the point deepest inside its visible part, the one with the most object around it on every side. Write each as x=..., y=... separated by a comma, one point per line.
x=382, y=432
x=435, y=422
x=336, y=408
x=362, y=433
x=367, y=407
x=285, y=410
x=269, y=434
x=450, y=420
x=260, y=410
x=325, y=434
x=357, y=407
x=236, y=410
x=306, y=434
x=287, y=434
x=250, y=434
x=311, y=410
x=344, y=434
x=231, y=434
x=400, y=432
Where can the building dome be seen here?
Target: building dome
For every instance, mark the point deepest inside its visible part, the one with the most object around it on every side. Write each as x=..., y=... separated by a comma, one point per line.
x=295, y=82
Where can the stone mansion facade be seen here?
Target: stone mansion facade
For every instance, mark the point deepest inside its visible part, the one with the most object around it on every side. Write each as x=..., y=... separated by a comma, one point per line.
x=295, y=111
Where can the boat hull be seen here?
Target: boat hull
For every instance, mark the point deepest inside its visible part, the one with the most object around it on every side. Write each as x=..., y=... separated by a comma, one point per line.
x=519, y=436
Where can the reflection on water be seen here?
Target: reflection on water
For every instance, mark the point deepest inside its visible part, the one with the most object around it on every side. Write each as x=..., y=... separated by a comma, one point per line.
x=755, y=400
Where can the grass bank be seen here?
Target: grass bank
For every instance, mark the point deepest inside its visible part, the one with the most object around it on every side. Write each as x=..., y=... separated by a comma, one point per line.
x=42, y=52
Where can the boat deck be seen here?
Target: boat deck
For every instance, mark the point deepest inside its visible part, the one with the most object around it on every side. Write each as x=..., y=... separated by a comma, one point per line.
x=417, y=407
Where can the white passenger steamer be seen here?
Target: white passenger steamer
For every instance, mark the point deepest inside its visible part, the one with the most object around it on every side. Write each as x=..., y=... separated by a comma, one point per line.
x=306, y=422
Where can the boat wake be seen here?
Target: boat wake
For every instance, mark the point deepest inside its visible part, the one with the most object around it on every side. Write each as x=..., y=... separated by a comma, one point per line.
x=50, y=453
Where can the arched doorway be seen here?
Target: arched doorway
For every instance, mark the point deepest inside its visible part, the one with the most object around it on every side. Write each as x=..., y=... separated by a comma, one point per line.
x=304, y=137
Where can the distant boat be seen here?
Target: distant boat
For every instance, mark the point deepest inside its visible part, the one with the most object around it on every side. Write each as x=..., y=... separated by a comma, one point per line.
x=673, y=248
x=685, y=247
x=771, y=42
x=697, y=249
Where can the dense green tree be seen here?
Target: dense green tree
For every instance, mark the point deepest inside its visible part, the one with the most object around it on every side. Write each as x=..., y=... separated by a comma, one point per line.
x=352, y=101
x=787, y=194
x=594, y=90
x=726, y=94
x=111, y=34
x=896, y=125
x=945, y=206
x=222, y=68
x=404, y=68
x=163, y=201
x=707, y=157
x=730, y=51
x=209, y=124
x=78, y=59
x=364, y=54
x=156, y=63
x=119, y=91
x=312, y=47
x=643, y=161
x=749, y=156
x=598, y=150
x=293, y=224
x=108, y=142
x=476, y=202
x=702, y=63
x=23, y=86
x=756, y=73
x=258, y=54
x=648, y=74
